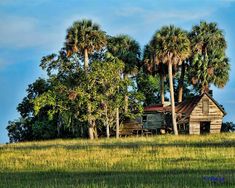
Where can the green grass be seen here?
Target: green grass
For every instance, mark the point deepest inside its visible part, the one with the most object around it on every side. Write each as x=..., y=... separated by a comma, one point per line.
x=159, y=161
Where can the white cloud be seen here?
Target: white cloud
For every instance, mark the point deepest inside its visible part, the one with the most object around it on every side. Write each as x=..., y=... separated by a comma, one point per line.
x=178, y=15
x=130, y=11
x=31, y=2
x=27, y=32
x=159, y=15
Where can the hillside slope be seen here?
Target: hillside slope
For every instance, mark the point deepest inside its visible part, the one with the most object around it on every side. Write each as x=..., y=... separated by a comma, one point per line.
x=160, y=161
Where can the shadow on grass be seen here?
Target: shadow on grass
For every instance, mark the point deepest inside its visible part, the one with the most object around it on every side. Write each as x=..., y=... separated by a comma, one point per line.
x=173, y=178
x=131, y=145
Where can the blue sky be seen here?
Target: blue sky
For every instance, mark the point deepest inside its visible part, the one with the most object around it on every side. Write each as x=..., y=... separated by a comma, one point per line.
x=30, y=29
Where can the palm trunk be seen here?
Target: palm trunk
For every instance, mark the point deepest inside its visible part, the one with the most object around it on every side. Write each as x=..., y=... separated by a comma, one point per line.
x=126, y=97
x=172, y=99
x=181, y=83
x=90, y=125
x=86, y=60
x=117, y=123
x=162, y=88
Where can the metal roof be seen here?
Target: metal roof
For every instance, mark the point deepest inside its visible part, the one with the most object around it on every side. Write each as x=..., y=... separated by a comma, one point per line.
x=185, y=108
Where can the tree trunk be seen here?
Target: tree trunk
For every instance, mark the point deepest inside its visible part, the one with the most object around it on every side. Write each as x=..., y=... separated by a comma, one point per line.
x=117, y=123
x=94, y=129
x=81, y=131
x=91, y=132
x=90, y=126
x=162, y=88
x=106, y=122
x=181, y=83
x=107, y=130
x=126, y=97
x=172, y=99
x=86, y=60
x=59, y=124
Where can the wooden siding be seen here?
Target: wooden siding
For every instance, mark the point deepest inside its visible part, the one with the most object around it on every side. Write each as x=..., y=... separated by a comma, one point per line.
x=154, y=121
x=214, y=116
x=194, y=128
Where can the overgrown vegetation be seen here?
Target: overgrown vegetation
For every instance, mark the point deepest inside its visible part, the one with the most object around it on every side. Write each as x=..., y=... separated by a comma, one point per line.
x=97, y=81
x=161, y=161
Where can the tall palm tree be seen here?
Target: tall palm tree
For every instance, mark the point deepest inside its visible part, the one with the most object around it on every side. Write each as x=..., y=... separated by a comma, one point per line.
x=172, y=47
x=127, y=50
x=208, y=63
x=181, y=82
x=154, y=66
x=85, y=37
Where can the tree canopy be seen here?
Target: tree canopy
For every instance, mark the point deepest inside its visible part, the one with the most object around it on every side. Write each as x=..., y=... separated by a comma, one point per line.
x=97, y=81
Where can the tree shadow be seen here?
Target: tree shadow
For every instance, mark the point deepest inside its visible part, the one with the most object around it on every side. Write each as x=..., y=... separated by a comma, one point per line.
x=171, y=178
x=126, y=145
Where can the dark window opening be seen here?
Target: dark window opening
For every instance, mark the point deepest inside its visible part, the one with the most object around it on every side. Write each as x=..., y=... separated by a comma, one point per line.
x=144, y=118
x=205, y=127
x=183, y=128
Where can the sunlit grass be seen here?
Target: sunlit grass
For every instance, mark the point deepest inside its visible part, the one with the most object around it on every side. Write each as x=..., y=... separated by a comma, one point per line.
x=179, y=161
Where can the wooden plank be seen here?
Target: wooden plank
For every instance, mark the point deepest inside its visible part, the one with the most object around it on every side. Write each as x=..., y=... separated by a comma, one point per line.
x=213, y=109
x=205, y=118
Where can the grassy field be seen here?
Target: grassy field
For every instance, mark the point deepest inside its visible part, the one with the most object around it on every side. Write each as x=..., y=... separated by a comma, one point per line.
x=160, y=161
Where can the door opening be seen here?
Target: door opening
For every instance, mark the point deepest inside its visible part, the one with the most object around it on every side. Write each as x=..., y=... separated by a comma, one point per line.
x=205, y=127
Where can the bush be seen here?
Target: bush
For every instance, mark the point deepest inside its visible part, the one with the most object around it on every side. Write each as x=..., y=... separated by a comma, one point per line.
x=228, y=127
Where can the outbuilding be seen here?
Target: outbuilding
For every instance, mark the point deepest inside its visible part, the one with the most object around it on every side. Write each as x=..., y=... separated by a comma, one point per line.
x=197, y=115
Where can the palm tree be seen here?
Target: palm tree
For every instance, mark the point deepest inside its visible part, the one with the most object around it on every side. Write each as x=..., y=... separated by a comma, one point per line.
x=208, y=63
x=183, y=70
x=85, y=37
x=172, y=46
x=154, y=66
x=181, y=82
x=127, y=50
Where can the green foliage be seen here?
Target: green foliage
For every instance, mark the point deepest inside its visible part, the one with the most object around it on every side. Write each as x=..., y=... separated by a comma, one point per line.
x=171, y=45
x=25, y=128
x=101, y=89
x=84, y=34
x=208, y=62
x=73, y=97
x=127, y=50
x=19, y=130
x=228, y=127
x=149, y=86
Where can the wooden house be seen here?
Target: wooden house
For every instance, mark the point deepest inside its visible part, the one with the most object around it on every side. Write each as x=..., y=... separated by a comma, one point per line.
x=198, y=115
x=154, y=117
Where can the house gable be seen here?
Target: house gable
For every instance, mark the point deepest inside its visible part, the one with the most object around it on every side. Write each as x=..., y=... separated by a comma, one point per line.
x=201, y=110
x=201, y=114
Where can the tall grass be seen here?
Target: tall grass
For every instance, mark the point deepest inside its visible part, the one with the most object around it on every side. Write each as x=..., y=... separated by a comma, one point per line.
x=159, y=161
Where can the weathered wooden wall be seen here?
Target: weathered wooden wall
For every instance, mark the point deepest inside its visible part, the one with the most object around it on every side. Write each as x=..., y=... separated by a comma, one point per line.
x=154, y=120
x=215, y=116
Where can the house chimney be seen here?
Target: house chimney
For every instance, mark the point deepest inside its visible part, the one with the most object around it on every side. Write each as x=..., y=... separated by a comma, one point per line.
x=210, y=92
